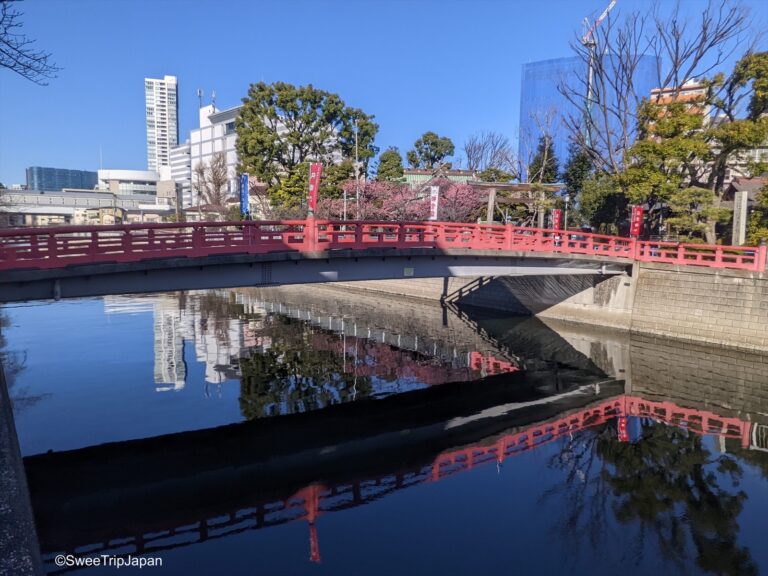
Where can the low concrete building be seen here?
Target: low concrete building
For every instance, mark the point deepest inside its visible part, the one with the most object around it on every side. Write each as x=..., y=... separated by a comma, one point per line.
x=129, y=181
x=79, y=207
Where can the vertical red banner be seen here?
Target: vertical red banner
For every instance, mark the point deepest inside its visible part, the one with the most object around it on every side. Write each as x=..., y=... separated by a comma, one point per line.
x=636, y=224
x=315, y=171
x=557, y=219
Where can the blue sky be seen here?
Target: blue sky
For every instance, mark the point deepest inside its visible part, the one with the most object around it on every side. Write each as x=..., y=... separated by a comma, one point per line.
x=451, y=66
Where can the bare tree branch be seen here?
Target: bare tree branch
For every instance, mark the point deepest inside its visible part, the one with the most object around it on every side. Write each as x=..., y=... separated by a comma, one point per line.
x=16, y=50
x=210, y=182
x=490, y=150
x=605, y=125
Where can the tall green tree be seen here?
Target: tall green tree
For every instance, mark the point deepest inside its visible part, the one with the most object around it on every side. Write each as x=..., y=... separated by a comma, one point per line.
x=430, y=151
x=686, y=146
x=544, y=166
x=602, y=203
x=281, y=126
x=757, y=229
x=292, y=192
x=390, y=167
x=576, y=170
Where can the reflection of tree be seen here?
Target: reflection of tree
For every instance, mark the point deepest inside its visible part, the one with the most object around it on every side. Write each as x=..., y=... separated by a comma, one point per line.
x=291, y=376
x=669, y=484
x=12, y=363
x=216, y=313
x=756, y=458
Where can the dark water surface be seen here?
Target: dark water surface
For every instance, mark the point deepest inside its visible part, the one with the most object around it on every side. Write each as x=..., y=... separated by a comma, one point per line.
x=315, y=431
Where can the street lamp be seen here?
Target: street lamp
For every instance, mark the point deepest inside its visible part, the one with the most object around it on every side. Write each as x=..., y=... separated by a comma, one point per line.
x=567, y=200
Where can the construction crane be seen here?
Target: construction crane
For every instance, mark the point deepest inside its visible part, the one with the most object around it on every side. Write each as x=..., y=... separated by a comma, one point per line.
x=588, y=41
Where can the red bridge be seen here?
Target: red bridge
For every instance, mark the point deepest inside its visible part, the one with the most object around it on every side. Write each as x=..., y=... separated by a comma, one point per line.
x=69, y=262
x=57, y=247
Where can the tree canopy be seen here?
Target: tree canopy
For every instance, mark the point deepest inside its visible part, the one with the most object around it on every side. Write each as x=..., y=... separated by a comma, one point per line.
x=544, y=166
x=281, y=127
x=430, y=151
x=758, y=222
x=390, y=167
x=576, y=170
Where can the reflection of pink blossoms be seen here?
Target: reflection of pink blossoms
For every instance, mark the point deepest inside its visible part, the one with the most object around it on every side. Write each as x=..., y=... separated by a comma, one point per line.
x=393, y=201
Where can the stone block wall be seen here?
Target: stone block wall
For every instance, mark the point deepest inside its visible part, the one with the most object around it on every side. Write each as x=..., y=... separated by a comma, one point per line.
x=725, y=381
x=727, y=308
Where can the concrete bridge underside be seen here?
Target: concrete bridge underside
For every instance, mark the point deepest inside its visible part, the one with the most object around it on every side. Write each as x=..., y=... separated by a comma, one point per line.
x=280, y=268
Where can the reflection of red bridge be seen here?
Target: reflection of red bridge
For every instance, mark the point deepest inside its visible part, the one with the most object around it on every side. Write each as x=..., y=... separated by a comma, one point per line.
x=382, y=360
x=313, y=500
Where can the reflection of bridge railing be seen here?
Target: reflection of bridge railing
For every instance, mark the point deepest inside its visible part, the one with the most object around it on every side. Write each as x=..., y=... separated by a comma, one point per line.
x=313, y=500
x=61, y=246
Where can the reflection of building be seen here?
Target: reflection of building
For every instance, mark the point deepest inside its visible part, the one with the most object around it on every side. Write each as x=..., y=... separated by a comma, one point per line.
x=217, y=341
x=170, y=369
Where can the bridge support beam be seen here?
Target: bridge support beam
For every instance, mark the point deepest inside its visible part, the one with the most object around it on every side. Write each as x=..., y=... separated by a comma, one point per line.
x=230, y=271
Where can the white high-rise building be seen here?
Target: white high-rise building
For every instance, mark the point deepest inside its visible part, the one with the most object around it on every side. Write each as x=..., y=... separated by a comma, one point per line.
x=162, y=109
x=181, y=172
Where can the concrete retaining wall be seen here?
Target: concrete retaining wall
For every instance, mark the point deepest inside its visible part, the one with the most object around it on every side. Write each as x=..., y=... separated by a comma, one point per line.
x=723, y=307
x=19, y=549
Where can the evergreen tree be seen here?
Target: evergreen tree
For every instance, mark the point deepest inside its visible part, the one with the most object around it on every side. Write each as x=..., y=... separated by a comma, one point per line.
x=430, y=151
x=544, y=166
x=758, y=222
x=576, y=170
x=280, y=127
x=390, y=168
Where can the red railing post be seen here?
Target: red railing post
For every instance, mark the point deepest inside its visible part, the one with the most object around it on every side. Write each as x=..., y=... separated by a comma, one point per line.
x=762, y=257
x=52, y=247
x=680, y=254
x=310, y=234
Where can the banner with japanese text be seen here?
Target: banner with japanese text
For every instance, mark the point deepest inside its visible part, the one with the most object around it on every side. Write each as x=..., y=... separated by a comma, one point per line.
x=434, y=201
x=315, y=171
x=636, y=223
x=557, y=219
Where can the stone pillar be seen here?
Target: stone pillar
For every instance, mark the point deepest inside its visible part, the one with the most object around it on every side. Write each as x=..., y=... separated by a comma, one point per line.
x=739, y=234
x=491, y=205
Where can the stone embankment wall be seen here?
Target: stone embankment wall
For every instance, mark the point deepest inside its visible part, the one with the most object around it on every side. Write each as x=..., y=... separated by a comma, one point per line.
x=723, y=307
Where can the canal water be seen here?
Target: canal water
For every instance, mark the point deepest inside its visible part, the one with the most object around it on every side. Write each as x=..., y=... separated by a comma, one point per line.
x=312, y=430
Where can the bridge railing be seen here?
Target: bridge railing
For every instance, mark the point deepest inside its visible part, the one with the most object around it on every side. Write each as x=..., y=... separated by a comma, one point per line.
x=714, y=256
x=57, y=247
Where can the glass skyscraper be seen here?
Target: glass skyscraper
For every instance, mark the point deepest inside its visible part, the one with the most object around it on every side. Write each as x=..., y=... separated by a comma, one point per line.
x=54, y=179
x=542, y=106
